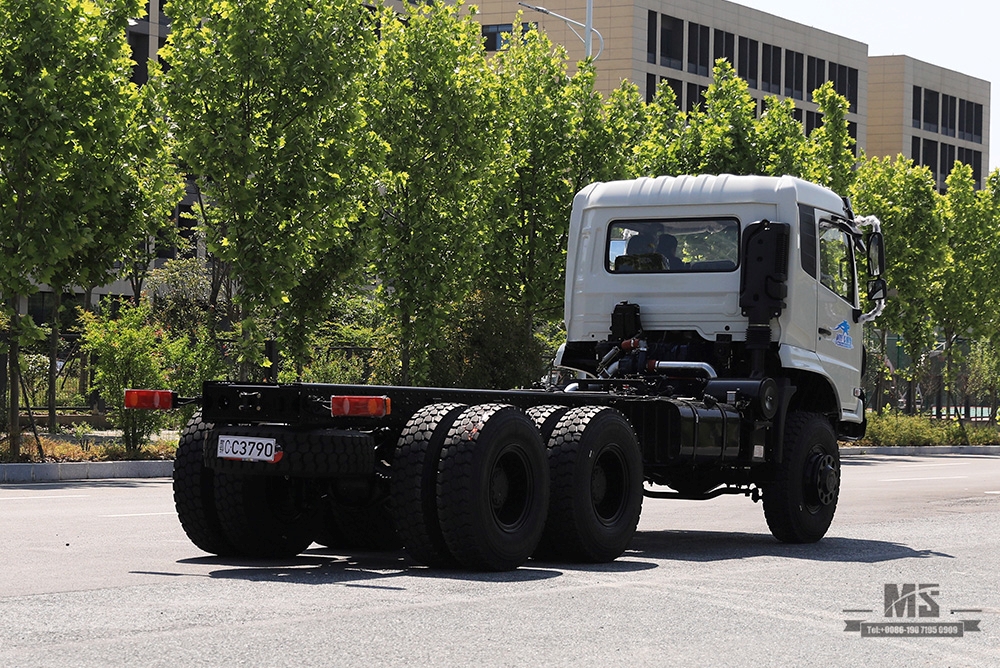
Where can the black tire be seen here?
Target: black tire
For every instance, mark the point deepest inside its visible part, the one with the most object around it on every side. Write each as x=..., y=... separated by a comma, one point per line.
x=801, y=498
x=596, y=469
x=493, y=488
x=361, y=528
x=413, y=486
x=194, y=490
x=265, y=516
x=546, y=418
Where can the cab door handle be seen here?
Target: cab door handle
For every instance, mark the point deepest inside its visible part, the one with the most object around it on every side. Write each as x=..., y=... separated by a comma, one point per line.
x=823, y=331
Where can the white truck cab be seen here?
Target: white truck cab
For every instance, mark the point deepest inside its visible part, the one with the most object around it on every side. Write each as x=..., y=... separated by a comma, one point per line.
x=682, y=250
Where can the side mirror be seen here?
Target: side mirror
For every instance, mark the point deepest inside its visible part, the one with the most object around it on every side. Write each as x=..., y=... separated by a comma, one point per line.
x=877, y=290
x=876, y=255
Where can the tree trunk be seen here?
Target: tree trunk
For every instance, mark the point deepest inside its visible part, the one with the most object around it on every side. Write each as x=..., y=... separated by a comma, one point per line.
x=14, y=405
x=404, y=330
x=53, y=360
x=84, y=384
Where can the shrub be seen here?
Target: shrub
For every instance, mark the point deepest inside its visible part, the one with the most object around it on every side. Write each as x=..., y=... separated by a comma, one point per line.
x=897, y=429
x=127, y=353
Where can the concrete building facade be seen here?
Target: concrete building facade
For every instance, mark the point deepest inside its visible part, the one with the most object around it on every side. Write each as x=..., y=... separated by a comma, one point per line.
x=677, y=42
x=932, y=115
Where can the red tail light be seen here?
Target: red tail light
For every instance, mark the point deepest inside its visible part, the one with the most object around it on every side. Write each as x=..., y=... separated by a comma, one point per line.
x=150, y=399
x=353, y=406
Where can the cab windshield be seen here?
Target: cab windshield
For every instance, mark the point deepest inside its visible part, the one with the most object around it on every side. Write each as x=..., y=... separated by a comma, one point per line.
x=673, y=245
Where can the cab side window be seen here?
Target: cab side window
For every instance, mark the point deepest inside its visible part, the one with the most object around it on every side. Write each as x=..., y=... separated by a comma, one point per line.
x=836, y=261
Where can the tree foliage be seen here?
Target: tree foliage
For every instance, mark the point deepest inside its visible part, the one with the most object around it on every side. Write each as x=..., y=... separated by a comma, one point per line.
x=66, y=156
x=266, y=98
x=434, y=102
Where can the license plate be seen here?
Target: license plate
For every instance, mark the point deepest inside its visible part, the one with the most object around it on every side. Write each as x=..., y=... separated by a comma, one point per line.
x=247, y=448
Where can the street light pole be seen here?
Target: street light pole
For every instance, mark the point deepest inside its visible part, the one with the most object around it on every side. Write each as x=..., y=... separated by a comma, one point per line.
x=588, y=27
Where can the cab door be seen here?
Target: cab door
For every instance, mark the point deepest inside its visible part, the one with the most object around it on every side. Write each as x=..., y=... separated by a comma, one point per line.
x=839, y=337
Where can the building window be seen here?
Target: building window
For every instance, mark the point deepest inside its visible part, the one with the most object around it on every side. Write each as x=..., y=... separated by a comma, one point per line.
x=671, y=42
x=747, y=66
x=949, y=115
x=915, y=150
x=650, y=87
x=931, y=99
x=918, y=105
x=814, y=120
x=977, y=124
x=696, y=97
x=845, y=82
x=698, y=49
x=947, y=158
x=493, y=35
x=139, y=43
x=970, y=121
x=929, y=157
x=725, y=46
x=651, y=31
x=794, y=67
x=977, y=168
x=815, y=73
x=677, y=86
x=770, y=69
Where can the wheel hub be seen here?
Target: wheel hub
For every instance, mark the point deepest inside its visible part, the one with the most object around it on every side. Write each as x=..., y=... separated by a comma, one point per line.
x=598, y=485
x=824, y=480
x=499, y=488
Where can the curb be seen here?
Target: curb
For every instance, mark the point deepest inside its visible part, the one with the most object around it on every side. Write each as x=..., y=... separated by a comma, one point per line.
x=23, y=473
x=909, y=450
x=14, y=473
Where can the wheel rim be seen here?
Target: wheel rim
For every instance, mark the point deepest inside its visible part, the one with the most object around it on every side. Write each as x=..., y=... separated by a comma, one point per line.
x=822, y=480
x=510, y=489
x=608, y=485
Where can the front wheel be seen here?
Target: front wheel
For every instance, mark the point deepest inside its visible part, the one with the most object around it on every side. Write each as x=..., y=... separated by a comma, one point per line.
x=801, y=498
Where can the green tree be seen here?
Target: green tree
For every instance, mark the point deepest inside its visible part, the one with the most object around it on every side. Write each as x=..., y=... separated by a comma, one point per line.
x=526, y=242
x=655, y=152
x=830, y=157
x=434, y=104
x=902, y=196
x=65, y=97
x=969, y=277
x=781, y=143
x=267, y=100
x=139, y=192
x=727, y=126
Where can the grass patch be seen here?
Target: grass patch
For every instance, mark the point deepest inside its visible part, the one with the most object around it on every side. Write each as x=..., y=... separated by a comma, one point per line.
x=73, y=449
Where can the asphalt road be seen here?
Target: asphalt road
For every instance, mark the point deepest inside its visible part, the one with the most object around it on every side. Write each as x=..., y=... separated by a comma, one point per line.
x=99, y=573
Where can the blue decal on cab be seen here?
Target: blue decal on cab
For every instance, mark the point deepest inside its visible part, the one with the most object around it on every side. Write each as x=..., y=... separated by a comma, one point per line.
x=843, y=338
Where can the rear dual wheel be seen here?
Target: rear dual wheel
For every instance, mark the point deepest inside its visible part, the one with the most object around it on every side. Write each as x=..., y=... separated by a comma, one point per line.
x=596, y=474
x=493, y=488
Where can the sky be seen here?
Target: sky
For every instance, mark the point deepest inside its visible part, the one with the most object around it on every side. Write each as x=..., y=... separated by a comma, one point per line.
x=959, y=35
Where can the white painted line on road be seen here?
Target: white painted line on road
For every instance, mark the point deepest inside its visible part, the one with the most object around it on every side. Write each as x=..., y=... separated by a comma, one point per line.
x=918, y=466
x=939, y=477
x=172, y=512
x=32, y=498
x=997, y=492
